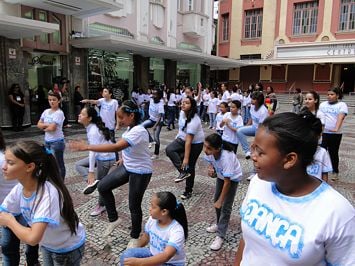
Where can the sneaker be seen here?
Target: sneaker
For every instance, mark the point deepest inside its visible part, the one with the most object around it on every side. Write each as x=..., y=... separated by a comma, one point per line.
x=111, y=226
x=168, y=128
x=133, y=243
x=151, y=144
x=212, y=229
x=250, y=177
x=217, y=243
x=98, y=210
x=182, y=176
x=186, y=195
x=155, y=156
x=247, y=155
x=334, y=177
x=91, y=188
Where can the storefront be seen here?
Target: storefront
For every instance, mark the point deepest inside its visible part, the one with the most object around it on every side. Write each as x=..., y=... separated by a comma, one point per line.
x=156, y=72
x=188, y=73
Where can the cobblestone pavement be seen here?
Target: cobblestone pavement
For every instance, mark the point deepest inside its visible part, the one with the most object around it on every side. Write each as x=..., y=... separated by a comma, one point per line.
x=200, y=211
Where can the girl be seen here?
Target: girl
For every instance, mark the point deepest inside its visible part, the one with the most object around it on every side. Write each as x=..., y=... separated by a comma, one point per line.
x=334, y=112
x=212, y=109
x=17, y=106
x=223, y=110
x=10, y=244
x=246, y=104
x=225, y=164
x=135, y=168
x=51, y=122
x=187, y=146
x=43, y=200
x=231, y=122
x=97, y=133
x=297, y=101
x=270, y=100
x=108, y=111
x=226, y=96
x=287, y=218
x=165, y=231
x=156, y=114
x=258, y=114
x=171, y=108
x=311, y=102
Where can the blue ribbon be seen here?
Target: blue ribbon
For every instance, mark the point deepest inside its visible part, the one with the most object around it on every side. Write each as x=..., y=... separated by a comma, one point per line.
x=177, y=205
x=47, y=150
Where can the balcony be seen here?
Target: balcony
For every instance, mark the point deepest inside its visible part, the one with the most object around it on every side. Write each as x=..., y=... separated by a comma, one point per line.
x=77, y=8
x=194, y=24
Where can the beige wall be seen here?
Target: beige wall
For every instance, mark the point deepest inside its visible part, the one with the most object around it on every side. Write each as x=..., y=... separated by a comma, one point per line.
x=267, y=41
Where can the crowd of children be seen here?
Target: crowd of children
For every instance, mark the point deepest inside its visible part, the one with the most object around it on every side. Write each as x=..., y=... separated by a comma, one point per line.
x=283, y=221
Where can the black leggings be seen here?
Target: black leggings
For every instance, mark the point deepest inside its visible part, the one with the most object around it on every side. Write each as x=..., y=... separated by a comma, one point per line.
x=176, y=151
x=331, y=142
x=138, y=183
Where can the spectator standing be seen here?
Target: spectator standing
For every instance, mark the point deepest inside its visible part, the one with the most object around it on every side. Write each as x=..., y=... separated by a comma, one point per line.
x=17, y=106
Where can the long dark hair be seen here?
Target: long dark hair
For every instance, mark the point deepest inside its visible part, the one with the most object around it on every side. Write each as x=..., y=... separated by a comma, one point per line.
x=2, y=141
x=168, y=201
x=259, y=97
x=191, y=113
x=129, y=107
x=96, y=119
x=15, y=86
x=286, y=128
x=46, y=169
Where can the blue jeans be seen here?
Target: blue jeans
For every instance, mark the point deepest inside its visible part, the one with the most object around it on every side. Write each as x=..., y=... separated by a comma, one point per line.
x=71, y=258
x=10, y=247
x=212, y=117
x=242, y=134
x=149, y=124
x=57, y=148
x=135, y=253
x=246, y=114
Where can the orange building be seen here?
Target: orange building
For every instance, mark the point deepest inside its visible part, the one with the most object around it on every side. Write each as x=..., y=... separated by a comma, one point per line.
x=289, y=43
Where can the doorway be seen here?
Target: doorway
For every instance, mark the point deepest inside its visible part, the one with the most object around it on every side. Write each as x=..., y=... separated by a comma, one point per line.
x=347, y=77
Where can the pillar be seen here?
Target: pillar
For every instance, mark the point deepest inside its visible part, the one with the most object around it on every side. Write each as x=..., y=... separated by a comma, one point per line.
x=170, y=67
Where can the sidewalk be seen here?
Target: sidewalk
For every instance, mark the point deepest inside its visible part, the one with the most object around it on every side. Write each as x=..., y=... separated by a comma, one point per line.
x=199, y=208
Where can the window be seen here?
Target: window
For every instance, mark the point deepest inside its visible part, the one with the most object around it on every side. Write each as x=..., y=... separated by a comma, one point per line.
x=347, y=15
x=57, y=38
x=42, y=16
x=305, y=18
x=253, y=23
x=190, y=5
x=225, y=27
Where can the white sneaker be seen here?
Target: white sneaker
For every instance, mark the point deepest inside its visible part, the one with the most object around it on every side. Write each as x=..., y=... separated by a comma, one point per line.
x=212, y=229
x=111, y=226
x=217, y=243
x=98, y=210
x=151, y=144
x=133, y=243
x=251, y=177
x=154, y=157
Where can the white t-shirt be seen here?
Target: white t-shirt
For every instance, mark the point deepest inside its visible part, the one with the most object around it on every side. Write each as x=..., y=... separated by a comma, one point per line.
x=178, y=98
x=57, y=236
x=194, y=127
x=236, y=97
x=136, y=157
x=236, y=122
x=258, y=116
x=56, y=117
x=331, y=112
x=159, y=238
x=246, y=101
x=321, y=163
x=316, y=229
x=96, y=137
x=227, y=166
x=140, y=99
x=134, y=96
x=212, y=106
x=5, y=185
x=108, y=111
x=219, y=118
x=205, y=98
x=155, y=110
x=172, y=99
x=226, y=96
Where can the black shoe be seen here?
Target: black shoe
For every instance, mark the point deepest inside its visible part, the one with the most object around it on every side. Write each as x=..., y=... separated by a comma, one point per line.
x=186, y=195
x=182, y=177
x=91, y=188
x=168, y=128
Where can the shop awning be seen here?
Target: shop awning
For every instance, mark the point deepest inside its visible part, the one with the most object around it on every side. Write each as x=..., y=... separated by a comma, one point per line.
x=303, y=61
x=123, y=44
x=16, y=27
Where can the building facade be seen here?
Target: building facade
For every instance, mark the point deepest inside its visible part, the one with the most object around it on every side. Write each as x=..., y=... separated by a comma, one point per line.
x=289, y=43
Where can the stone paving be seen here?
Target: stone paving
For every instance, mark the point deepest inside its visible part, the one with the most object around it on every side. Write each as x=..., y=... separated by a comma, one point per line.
x=200, y=211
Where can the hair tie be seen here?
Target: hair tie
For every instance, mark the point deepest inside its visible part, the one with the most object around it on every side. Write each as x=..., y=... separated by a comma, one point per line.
x=177, y=205
x=47, y=150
